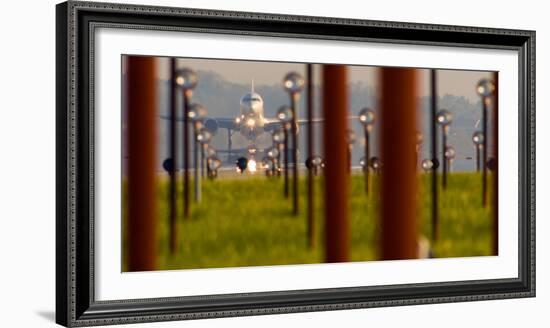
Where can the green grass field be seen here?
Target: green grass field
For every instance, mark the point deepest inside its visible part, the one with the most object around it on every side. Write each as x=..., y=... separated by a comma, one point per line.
x=246, y=222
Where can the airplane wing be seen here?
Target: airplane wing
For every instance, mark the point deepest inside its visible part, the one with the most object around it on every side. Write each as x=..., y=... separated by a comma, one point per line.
x=273, y=124
x=214, y=122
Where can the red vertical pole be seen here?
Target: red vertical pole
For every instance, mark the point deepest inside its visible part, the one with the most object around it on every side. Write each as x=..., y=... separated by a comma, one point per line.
x=173, y=155
x=435, y=161
x=335, y=109
x=310, y=204
x=142, y=136
x=398, y=153
x=495, y=170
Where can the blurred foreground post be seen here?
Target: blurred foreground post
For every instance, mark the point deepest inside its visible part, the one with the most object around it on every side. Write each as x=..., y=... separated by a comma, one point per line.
x=398, y=145
x=310, y=204
x=335, y=110
x=435, y=162
x=173, y=156
x=142, y=139
x=495, y=169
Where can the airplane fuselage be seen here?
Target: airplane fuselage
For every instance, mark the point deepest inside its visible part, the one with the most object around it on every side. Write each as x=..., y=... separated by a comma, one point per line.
x=251, y=120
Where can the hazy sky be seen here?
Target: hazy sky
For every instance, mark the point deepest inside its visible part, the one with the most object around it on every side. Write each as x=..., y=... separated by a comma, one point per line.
x=455, y=82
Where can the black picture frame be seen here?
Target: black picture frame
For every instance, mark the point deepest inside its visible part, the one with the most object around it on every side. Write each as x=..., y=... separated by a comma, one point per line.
x=75, y=302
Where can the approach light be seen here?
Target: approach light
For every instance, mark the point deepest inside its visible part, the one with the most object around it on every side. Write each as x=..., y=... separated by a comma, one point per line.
x=375, y=163
x=252, y=165
x=444, y=117
x=284, y=114
x=293, y=83
x=427, y=164
x=204, y=136
x=366, y=117
x=450, y=153
x=314, y=163
x=186, y=78
x=210, y=151
x=197, y=112
x=317, y=161
x=363, y=163
x=278, y=136
x=269, y=165
x=485, y=88
x=214, y=163
x=477, y=138
x=272, y=152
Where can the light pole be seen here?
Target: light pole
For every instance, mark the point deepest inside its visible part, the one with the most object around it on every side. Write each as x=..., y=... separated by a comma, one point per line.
x=317, y=163
x=213, y=163
x=285, y=114
x=449, y=157
x=210, y=152
x=366, y=118
x=427, y=165
x=186, y=80
x=196, y=115
x=294, y=83
x=278, y=137
x=314, y=164
x=375, y=164
x=351, y=141
x=272, y=153
x=485, y=89
x=268, y=163
x=477, y=139
x=444, y=118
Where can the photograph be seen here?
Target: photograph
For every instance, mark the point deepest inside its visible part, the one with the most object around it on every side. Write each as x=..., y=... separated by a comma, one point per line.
x=217, y=163
x=236, y=163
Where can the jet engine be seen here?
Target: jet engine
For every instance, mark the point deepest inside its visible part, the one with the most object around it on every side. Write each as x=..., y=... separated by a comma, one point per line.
x=211, y=125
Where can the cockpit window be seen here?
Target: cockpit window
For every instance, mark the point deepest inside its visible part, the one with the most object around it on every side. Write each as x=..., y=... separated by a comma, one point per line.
x=251, y=98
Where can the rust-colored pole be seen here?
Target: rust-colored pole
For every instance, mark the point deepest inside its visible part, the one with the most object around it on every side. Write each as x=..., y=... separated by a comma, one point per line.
x=173, y=155
x=142, y=136
x=310, y=204
x=435, y=161
x=335, y=109
x=496, y=165
x=398, y=152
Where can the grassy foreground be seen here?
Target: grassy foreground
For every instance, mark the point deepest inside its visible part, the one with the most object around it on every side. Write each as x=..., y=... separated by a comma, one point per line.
x=247, y=222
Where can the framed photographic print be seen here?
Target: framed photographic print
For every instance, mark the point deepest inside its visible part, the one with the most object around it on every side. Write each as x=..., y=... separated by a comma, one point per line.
x=214, y=164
